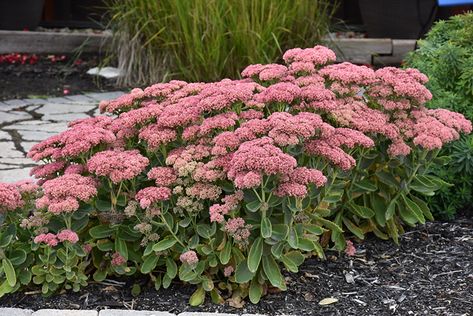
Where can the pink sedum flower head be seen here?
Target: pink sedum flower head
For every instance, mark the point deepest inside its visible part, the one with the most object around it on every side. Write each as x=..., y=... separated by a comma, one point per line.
x=117, y=259
x=319, y=55
x=62, y=194
x=10, y=197
x=189, y=257
x=148, y=196
x=47, y=239
x=117, y=165
x=163, y=176
x=68, y=235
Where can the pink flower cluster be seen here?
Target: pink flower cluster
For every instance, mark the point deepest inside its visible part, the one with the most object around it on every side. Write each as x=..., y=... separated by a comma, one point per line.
x=230, y=203
x=68, y=235
x=150, y=195
x=117, y=259
x=48, y=239
x=77, y=140
x=53, y=240
x=238, y=230
x=163, y=176
x=62, y=194
x=189, y=257
x=10, y=197
x=117, y=165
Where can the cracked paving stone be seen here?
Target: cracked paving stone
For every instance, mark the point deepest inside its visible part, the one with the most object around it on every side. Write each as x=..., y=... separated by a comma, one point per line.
x=16, y=102
x=27, y=145
x=8, y=150
x=4, y=136
x=14, y=175
x=81, y=98
x=105, y=96
x=37, y=125
x=65, y=117
x=51, y=108
x=16, y=162
x=35, y=135
x=14, y=116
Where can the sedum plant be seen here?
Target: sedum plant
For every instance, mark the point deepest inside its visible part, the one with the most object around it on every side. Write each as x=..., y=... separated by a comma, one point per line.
x=445, y=56
x=224, y=185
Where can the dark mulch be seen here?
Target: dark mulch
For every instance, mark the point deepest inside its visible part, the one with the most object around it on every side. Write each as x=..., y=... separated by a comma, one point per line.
x=46, y=78
x=430, y=273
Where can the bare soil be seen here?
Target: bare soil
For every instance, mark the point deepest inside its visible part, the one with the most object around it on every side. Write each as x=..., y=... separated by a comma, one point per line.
x=48, y=78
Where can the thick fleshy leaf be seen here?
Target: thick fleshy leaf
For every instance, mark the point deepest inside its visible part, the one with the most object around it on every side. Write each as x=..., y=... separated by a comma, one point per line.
x=255, y=254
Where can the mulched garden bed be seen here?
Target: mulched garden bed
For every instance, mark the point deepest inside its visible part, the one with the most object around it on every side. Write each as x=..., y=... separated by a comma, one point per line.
x=430, y=273
x=29, y=76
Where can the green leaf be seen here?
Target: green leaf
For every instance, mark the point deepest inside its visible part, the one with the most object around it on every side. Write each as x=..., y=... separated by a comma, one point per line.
x=207, y=284
x=414, y=208
x=204, y=231
x=277, y=249
x=167, y=281
x=390, y=210
x=366, y=185
x=424, y=207
x=353, y=228
x=266, y=228
x=7, y=236
x=387, y=178
x=121, y=247
x=164, y=244
x=135, y=290
x=271, y=269
x=100, y=275
x=17, y=256
x=255, y=254
x=293, y=238
x=198, y=297
x=331, y=225
x=171, y=268
x=361, y=211
x=105, y=245
x=149, y=264
x=279, y=231
x=255, y=291
x=25, y=277
x=126, y=233
x=253, y=206
x=101, y=231
x=242, y=273
x=314, y=229
x=103, y=206
x=185, y=222
x=379, y=207
x=290, y=266
x=9, y=271
x=306, y=244
x=226, y=253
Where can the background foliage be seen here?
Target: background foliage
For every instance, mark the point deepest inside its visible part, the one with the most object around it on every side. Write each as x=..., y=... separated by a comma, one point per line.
x=446, y=57
x=207, y=40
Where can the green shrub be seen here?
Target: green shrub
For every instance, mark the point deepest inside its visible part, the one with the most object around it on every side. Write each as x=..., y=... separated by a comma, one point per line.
x=207, y=40
x=446, y=57
x=221, y=185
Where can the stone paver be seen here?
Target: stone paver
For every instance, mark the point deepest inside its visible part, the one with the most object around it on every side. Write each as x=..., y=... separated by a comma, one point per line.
x=26, y=122
x=62, y=312
x=121, y=312
x=15, y=312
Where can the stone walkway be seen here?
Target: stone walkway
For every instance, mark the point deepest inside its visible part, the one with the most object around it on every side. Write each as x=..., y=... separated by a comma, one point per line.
x=24, y=123
x=105, y=312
